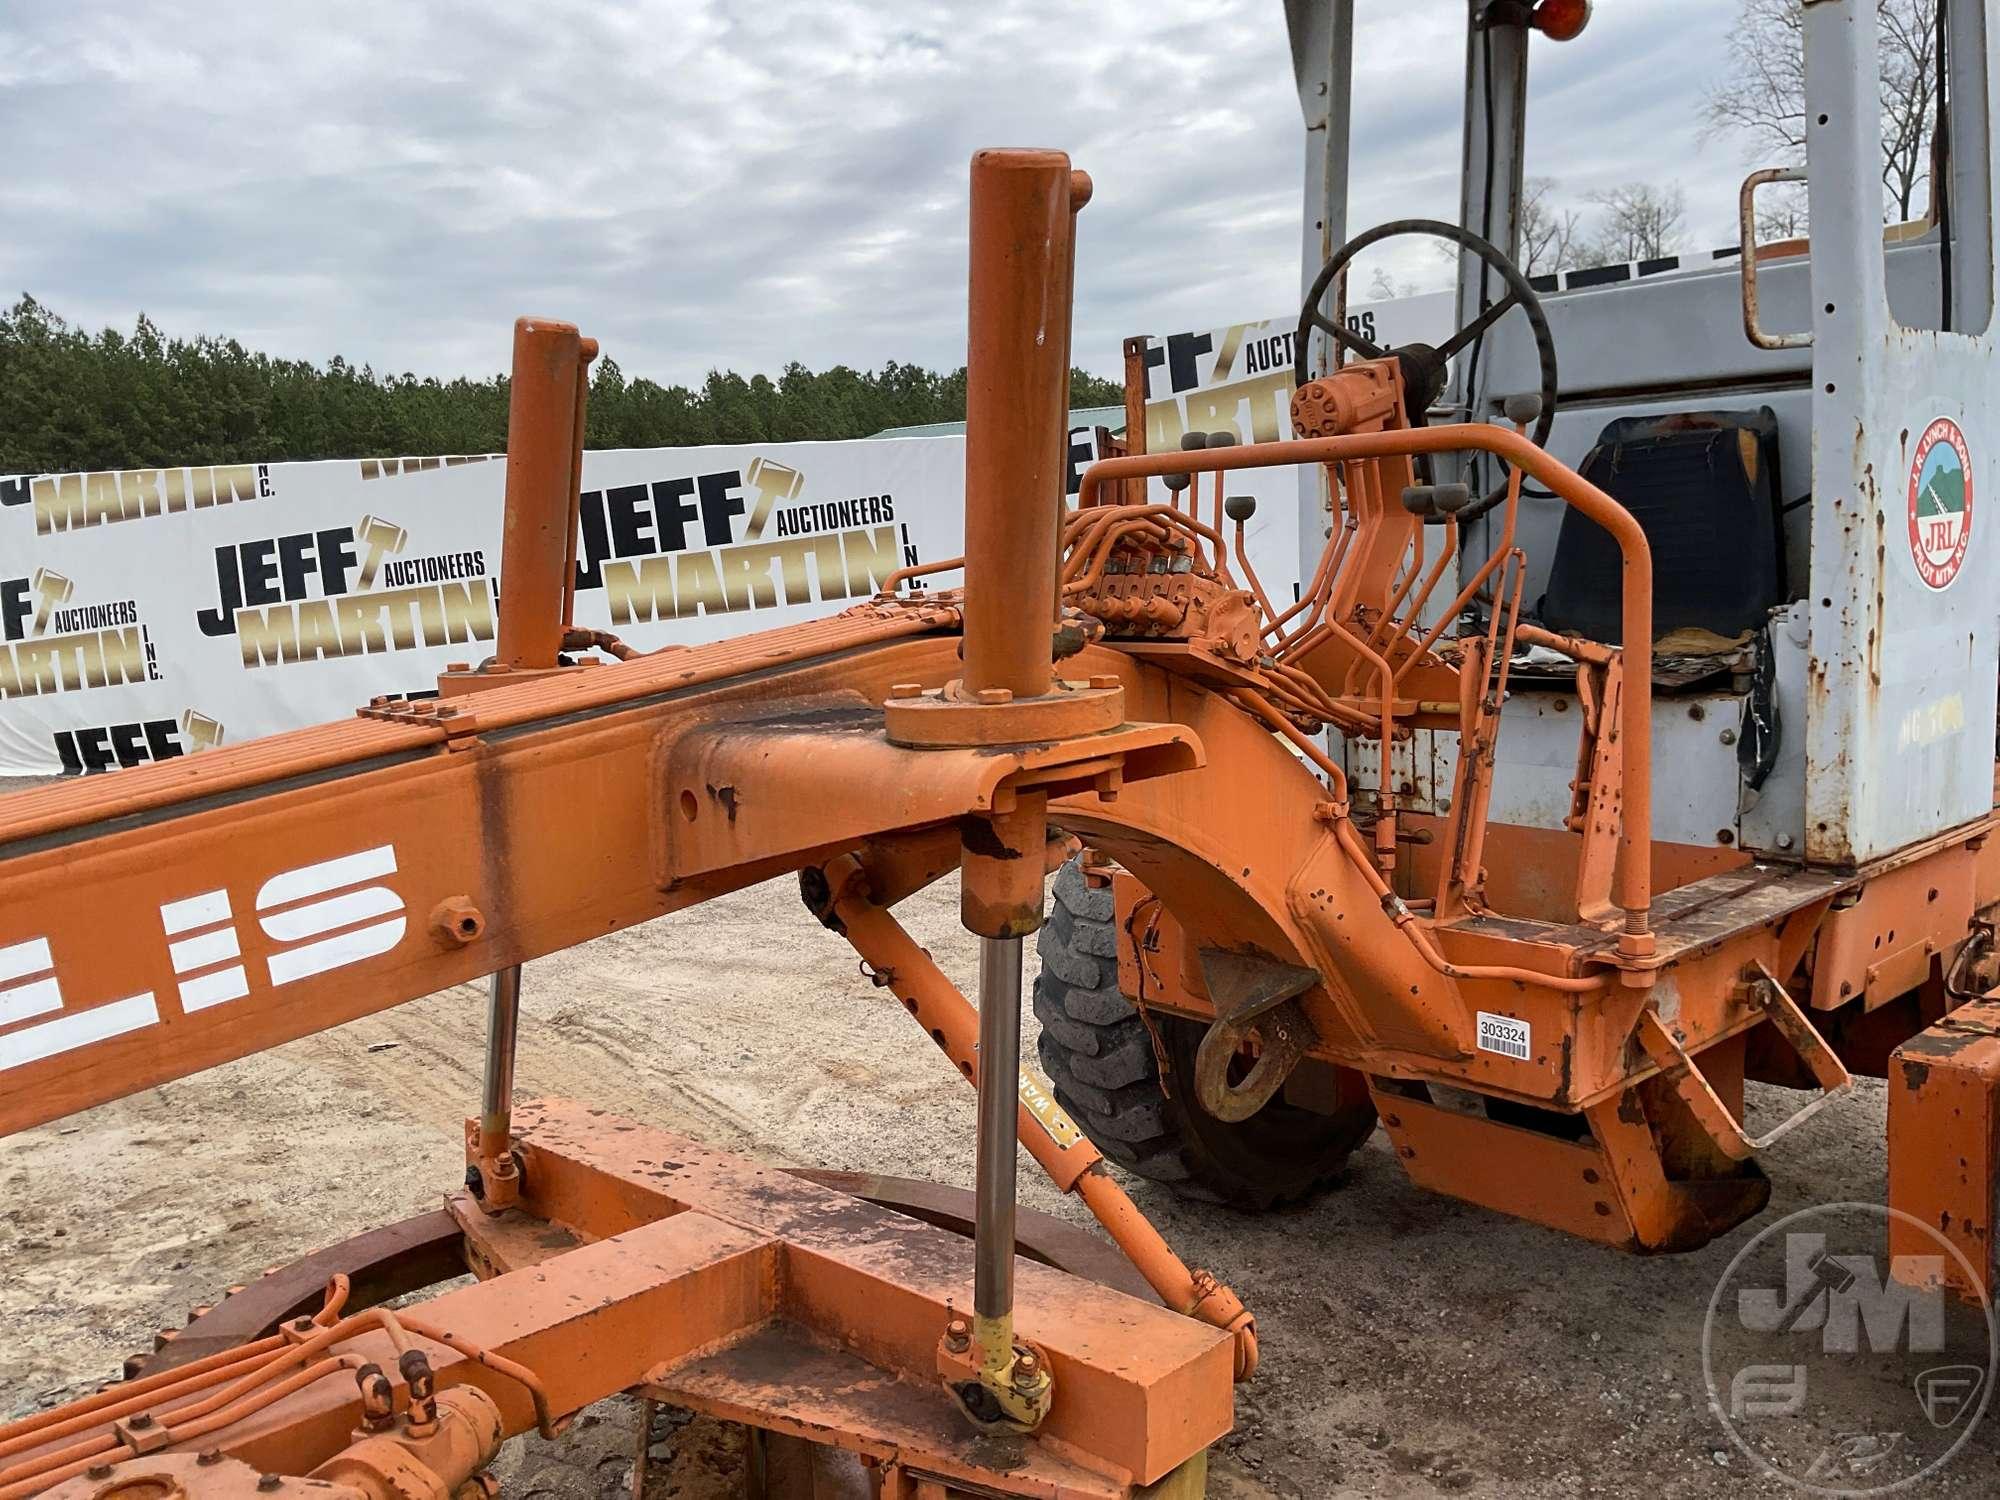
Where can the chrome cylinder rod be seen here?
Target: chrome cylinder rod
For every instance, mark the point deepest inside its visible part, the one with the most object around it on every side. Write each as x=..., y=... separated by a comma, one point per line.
x=503, y=1026
x=999, y=1090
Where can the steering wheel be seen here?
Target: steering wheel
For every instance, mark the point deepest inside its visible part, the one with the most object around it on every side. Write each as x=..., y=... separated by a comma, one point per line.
x=1425, y=366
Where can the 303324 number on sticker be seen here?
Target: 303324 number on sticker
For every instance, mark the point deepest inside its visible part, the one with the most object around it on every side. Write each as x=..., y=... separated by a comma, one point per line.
x=1505, y=1035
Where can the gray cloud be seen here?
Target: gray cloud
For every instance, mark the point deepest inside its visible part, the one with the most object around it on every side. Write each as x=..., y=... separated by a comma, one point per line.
x=705, y=183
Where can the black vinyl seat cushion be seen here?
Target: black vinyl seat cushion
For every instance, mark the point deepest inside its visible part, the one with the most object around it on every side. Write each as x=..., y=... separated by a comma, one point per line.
x=1704, y=488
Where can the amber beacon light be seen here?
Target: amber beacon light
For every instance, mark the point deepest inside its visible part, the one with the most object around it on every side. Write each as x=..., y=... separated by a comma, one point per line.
x=1560, y=20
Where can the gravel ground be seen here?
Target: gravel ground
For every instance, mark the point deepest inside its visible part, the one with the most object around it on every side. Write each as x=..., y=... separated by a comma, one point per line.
x=1412, y=1346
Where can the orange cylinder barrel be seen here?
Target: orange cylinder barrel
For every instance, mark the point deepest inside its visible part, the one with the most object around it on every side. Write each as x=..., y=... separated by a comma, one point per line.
x=545, y=411
x=1016, y=413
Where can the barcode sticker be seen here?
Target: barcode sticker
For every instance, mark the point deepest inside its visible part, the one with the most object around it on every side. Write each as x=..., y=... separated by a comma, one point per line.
x=1505, y=1035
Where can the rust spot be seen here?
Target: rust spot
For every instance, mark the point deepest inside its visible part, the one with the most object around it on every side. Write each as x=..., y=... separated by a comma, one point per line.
x=980, y=837
x=726, y=795
x=1915, y=1074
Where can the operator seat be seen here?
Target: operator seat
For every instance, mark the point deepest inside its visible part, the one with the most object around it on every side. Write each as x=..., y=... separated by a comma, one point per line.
x=1703, y=485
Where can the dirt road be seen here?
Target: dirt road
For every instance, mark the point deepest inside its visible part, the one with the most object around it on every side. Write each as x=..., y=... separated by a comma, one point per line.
x=1412, y=1346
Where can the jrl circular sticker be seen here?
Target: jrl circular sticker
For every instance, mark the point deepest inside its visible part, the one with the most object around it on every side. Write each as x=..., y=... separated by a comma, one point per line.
x=1940, y=503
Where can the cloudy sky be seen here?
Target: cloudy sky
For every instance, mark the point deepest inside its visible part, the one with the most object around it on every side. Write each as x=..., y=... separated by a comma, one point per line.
x=723, y=183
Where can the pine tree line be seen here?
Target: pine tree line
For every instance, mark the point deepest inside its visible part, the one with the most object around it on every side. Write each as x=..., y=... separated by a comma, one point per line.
x=71, y=400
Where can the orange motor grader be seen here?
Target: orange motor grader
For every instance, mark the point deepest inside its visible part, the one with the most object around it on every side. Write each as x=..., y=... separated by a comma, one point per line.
x=1252, y=962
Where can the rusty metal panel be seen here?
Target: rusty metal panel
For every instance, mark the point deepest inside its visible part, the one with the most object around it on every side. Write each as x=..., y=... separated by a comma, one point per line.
x=1944, y=1140
x=1425, y=764
x=1562, y=1184
x=733, y=791
x=1695, y=778
x=1144, y=1388
x=1902, y=676
x=1772, y=816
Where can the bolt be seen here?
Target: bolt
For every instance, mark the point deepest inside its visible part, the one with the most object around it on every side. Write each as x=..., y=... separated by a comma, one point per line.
x=98, y=1471
x=958, y=1336
x=1728, y=736
x=209, y=1457
x=1784, y=841
x=995, y=696
x=268, y=1482
x=140, y=1422
x=456, y=920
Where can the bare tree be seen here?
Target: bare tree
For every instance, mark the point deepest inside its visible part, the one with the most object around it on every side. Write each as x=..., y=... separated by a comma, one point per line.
x=1383, y=286
x=1640, y=222
x=1908, y=88
x=1550, y=235
x=1763, y=95
x=1781, y=214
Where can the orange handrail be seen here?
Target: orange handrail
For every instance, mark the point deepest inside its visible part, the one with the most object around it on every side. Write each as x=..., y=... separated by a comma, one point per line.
x=1632, y=877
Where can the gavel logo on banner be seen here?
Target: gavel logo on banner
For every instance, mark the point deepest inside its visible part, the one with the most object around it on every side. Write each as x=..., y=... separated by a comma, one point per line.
x=200, y=731
x=52, y=591
x=773, y=482
x=382, y=539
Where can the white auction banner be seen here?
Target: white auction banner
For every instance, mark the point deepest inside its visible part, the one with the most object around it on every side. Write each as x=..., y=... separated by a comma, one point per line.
x=153, y=613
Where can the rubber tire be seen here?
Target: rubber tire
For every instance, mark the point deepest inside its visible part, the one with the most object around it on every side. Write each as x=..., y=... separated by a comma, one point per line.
x=1100, y=1057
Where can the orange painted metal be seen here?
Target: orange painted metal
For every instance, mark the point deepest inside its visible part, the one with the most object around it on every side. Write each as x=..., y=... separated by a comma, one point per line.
x=737, y=791
x=545, y=413
x=434, y=1454
x=1566, y=1185
x=1016, y=414
x=1632, y=887
x=589, y=1325
x=665, y=1253
x=1135, y=412
x=1058, y=1147
x=1944, y=1148
x=555, y=776
x=954, y=717
x=1885, y=939
x=1138, y=1387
